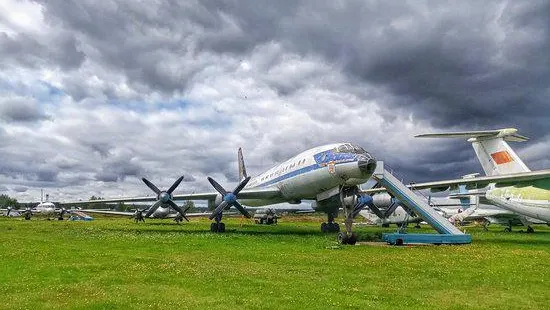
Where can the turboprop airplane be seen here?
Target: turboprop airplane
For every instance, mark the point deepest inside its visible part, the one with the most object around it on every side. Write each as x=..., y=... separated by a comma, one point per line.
x=329, y=175
x=161, y=209
x=44, y=208
x=510, y=184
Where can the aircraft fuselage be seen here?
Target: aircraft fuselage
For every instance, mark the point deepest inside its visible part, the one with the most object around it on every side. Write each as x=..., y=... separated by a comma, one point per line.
x=315, y=171
x=532, y=199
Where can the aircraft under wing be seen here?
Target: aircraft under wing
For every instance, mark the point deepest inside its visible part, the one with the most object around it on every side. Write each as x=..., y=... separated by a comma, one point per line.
x=478, y=182
x=126, y=213
x=260, y=193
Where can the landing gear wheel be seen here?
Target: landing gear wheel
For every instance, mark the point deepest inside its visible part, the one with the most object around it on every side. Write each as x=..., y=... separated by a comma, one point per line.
x=324, y=228
x=530, y=229
x=507, y=229
x=352, y=239
x=417, y=226
x=221, y=227
x=334, y=227
x=60, y=218
x=342, y=238
x=385, y=225
x=213, y=227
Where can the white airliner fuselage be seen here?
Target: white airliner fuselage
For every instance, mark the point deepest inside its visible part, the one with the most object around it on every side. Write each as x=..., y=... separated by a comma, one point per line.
x=306, y=175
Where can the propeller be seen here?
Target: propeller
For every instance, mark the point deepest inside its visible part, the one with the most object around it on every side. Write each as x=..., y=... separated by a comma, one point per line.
x=8, y=210
x=229, y=198
x=164, y=197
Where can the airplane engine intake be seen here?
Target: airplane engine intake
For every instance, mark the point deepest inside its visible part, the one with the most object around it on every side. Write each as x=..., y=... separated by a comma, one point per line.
x=382, y=200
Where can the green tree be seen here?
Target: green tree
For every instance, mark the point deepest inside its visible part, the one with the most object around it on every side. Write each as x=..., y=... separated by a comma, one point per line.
x=191, y=205
x=7, y=201
x=96, y=205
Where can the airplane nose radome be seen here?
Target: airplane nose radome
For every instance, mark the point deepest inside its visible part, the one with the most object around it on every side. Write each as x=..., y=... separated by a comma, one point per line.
x=367, y=165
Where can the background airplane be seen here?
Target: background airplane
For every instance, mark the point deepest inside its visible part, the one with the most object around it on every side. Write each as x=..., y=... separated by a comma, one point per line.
x=528, y=197
x=509, y=183
x=44, y=209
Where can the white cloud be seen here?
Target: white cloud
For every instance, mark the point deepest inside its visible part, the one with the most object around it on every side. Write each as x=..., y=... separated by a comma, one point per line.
x=96, y=95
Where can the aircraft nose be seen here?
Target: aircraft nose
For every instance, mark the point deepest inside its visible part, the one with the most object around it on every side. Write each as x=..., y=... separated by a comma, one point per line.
x=366, y=164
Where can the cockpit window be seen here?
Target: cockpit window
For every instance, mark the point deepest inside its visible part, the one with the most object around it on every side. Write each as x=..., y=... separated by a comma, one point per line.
x=357, y=149
x=350, y=148
x=344, y=148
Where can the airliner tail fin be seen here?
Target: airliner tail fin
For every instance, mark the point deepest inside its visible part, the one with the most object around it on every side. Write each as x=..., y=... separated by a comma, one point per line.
x=491, y=147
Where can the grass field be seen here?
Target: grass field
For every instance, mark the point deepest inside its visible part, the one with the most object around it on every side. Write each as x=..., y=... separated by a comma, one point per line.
x=117, y=264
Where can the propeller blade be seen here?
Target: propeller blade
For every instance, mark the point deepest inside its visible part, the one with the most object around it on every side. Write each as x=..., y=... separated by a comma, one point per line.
x=218, y=209
x=241, y=186
x=240, y=207
x=184, y=212
x=173, y=187
x=153, y=208
x=151, y=186
x=217, y=186
x=176, y=207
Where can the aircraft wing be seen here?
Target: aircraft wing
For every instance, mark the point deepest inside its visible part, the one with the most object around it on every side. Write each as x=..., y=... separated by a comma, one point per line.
x=197, y=214
x=479, y=182
x=115, y=200
x=260, y=193
x=108, y=212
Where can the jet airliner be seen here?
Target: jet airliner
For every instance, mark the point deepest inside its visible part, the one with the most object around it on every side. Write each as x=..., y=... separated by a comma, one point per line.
x=328, y=175
x=510, y=184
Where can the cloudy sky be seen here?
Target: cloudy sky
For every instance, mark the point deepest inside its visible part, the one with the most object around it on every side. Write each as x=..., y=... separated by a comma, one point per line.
x=96, y=94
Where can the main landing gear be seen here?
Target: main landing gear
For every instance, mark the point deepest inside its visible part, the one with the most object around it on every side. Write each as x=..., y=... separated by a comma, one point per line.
x=228, y=199
x=331, y=226
x=217, y=226
x=138, y=217
x=179, y=218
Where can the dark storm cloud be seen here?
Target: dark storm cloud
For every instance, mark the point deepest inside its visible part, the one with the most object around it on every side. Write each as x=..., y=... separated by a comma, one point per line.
x=20, y=110
x=20, y=189
x=473, y=64
x=118, y=169
x=60, y=50
x=470, y=64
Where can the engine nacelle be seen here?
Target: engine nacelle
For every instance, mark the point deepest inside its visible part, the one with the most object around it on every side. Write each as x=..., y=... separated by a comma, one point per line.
x=333, y=203
x=212, y=204
x=382, y=200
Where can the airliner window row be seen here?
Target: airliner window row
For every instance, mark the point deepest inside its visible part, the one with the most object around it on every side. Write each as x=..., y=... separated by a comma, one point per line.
x=285, y=169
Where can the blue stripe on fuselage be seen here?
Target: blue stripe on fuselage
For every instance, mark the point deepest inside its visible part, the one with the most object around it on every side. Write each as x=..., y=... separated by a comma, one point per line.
x=321, y=162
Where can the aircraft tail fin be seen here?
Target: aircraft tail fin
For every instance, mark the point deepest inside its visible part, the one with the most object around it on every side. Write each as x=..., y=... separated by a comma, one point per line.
x=242, y=168
x=491, y=147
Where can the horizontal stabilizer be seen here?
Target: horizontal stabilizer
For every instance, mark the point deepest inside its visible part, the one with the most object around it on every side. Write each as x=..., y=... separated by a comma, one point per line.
x=508, y=134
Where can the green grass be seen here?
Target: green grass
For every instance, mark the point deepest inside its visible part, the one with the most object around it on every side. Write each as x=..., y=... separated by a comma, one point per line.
x=117, y=264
